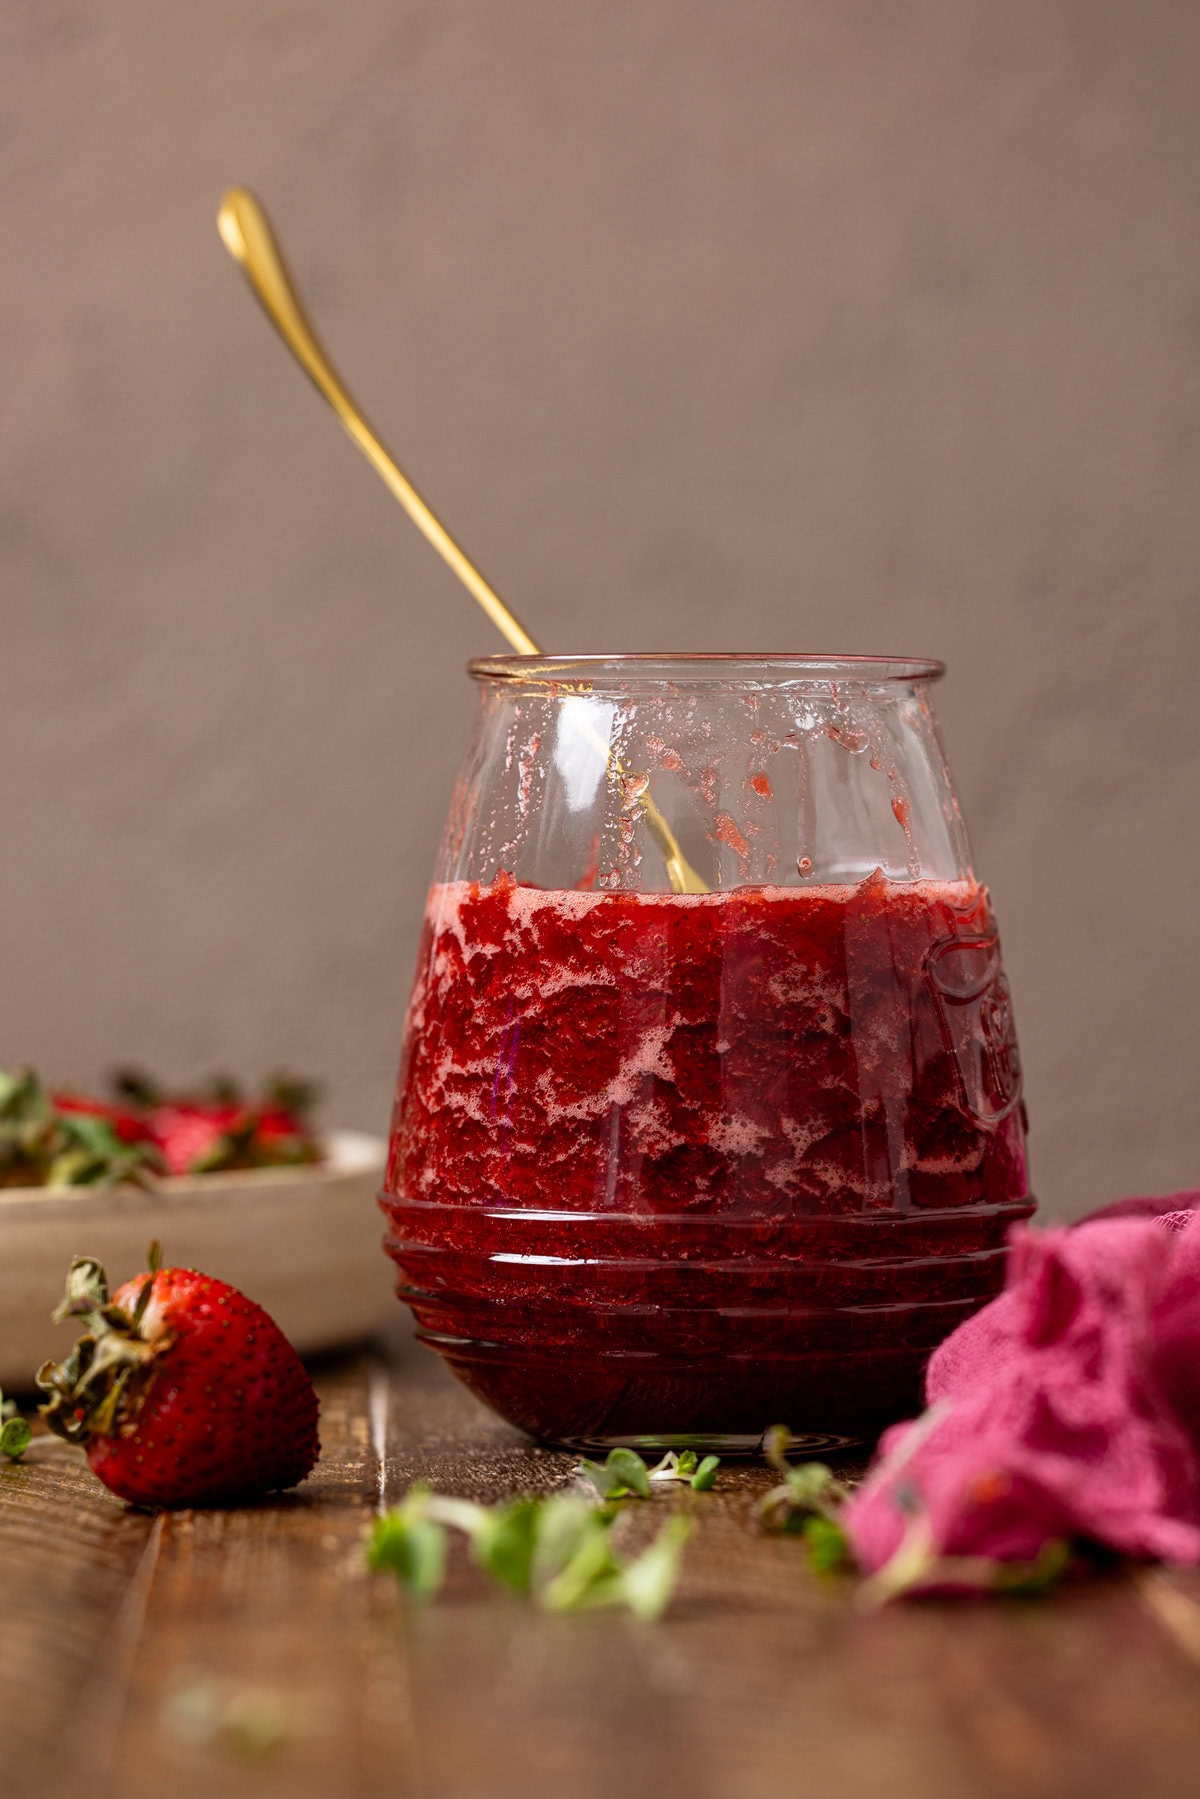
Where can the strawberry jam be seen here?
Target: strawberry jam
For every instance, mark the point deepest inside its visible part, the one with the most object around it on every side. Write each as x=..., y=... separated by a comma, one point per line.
x=671, y=1165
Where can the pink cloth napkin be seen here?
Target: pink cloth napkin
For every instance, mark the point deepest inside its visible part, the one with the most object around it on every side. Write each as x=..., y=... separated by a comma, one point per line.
x=1068, y=1408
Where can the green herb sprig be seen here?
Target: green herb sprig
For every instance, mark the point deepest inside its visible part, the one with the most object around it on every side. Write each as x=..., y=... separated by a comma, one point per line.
x=807, y=1500
x=916, y=1567
x=557, y=1550
x=698, y=1473
x=624, y=1475
x=810, y=1497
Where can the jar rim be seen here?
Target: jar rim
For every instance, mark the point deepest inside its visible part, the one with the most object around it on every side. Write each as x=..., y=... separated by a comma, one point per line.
x=670, y=667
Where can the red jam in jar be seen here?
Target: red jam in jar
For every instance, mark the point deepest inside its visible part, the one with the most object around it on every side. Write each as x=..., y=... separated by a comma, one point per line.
x=680, y=1166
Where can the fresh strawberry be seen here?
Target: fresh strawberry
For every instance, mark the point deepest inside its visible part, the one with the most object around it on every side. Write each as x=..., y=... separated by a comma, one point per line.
x=125, y=1125
x=205, y=1133
x=60, y=1140
x=196, y=1138
x=182, y=1390
x=283, y=1136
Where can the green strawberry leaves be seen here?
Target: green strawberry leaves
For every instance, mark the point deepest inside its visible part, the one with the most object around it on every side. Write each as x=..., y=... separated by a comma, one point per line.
x=43, y=1144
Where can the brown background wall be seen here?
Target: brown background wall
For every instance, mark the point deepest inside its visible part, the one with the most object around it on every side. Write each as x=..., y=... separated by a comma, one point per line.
x=837, y=324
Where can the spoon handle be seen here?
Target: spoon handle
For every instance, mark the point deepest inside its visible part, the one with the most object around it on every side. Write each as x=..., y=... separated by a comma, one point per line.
x=247, y=235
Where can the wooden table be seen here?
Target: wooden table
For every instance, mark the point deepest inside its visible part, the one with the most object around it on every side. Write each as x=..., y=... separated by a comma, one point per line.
x=247, y=1651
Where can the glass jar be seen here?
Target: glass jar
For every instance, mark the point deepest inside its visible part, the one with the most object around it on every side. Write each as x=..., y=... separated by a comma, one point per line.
x=709, y=1110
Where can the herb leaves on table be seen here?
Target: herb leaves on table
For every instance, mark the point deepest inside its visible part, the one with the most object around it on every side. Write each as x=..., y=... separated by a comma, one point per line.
x=559, y=1550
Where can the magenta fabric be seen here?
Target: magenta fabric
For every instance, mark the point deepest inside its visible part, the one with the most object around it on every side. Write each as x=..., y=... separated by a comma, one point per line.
x=1068, y=1408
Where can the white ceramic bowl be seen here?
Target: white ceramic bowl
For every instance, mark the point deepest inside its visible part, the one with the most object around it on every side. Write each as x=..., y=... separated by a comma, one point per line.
x=303, y=1242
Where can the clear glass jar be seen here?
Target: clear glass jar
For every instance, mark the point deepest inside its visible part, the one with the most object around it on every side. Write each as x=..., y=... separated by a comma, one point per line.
x=709, y=1110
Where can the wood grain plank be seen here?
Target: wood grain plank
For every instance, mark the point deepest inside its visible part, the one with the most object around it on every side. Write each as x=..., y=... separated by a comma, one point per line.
x=763, y=1674
x=69, y=1555
x=761, y=1677
x=261, y=1618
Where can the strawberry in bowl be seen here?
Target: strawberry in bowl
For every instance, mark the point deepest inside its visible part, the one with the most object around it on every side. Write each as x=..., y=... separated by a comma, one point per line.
x=64, y=1140
x=236, y=1181
x=222, y=1128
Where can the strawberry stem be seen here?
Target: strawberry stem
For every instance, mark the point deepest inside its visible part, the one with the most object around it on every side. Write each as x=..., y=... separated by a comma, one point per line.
x=91, y=1387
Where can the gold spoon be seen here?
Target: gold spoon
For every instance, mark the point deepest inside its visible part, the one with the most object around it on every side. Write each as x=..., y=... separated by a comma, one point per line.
x=247, y=234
